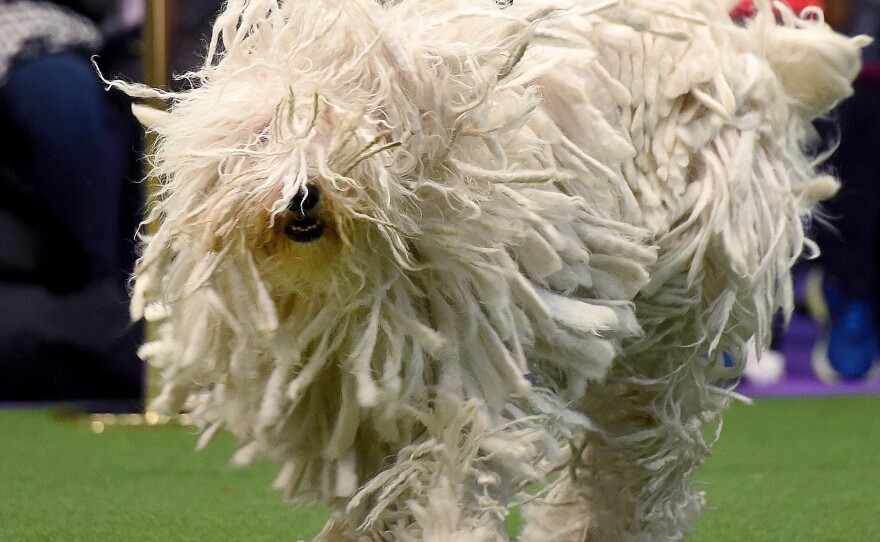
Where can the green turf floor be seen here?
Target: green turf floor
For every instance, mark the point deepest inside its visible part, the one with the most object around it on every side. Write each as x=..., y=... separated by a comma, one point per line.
x=785, y=470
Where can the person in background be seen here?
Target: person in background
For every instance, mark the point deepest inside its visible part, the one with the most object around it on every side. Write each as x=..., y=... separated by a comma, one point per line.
x=851, y=237
x=69, y=209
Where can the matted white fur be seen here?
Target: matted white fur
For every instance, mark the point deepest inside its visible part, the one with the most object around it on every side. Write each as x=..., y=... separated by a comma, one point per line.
x=543, y=225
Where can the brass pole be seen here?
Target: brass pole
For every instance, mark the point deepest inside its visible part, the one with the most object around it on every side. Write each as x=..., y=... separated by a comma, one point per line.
x=155, y=54
x=156, y=43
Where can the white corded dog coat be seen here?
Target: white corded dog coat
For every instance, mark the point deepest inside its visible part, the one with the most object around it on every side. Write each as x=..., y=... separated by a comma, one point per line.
x=424, y=254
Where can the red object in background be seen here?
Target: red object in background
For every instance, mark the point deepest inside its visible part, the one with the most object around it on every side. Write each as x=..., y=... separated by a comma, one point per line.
x=746, y=8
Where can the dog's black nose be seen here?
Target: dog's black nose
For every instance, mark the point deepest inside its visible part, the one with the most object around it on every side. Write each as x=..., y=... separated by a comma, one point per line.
x=307, y=199
x=304, y=224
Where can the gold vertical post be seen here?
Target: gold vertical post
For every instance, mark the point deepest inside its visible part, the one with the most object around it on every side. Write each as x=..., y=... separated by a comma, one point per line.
x=156, y=55
x=157, y=40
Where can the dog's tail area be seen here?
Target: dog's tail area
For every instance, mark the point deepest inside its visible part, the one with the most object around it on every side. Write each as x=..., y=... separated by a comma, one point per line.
x=815, y=64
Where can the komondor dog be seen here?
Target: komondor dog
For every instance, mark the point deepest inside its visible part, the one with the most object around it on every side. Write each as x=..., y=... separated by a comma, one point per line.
x=427, y=254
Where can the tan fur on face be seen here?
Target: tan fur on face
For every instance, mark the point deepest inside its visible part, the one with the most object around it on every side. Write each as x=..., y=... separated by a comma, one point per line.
x=291, y=266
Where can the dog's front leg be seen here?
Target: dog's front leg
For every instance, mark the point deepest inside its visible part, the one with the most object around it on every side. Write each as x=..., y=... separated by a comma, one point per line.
x=453, y=483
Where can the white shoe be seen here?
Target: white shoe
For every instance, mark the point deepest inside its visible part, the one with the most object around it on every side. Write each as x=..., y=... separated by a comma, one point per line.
x=766, y=370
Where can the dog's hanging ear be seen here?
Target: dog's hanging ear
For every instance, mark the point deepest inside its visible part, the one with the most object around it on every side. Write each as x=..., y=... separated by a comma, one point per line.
x=149, y=117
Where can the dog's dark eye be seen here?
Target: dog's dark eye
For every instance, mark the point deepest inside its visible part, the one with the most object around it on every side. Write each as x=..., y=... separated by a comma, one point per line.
x=307, y=199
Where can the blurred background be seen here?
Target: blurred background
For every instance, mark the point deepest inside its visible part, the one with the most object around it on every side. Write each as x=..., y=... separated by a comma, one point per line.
x=72, y=193
x=72, y=196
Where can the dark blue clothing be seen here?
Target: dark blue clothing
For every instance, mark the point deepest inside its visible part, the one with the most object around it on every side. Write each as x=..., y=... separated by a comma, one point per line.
x=62, y=145
x=69, y=208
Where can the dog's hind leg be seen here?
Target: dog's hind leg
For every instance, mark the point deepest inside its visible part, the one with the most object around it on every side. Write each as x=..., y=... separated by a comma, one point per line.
x=630, y=477
x=638, y=472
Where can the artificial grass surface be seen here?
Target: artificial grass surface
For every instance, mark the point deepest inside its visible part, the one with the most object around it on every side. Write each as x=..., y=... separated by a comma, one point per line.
x=785, y=470
x=795, y=470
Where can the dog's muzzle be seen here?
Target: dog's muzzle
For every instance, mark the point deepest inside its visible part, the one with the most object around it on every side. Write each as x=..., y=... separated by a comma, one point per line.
x=304, y=225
